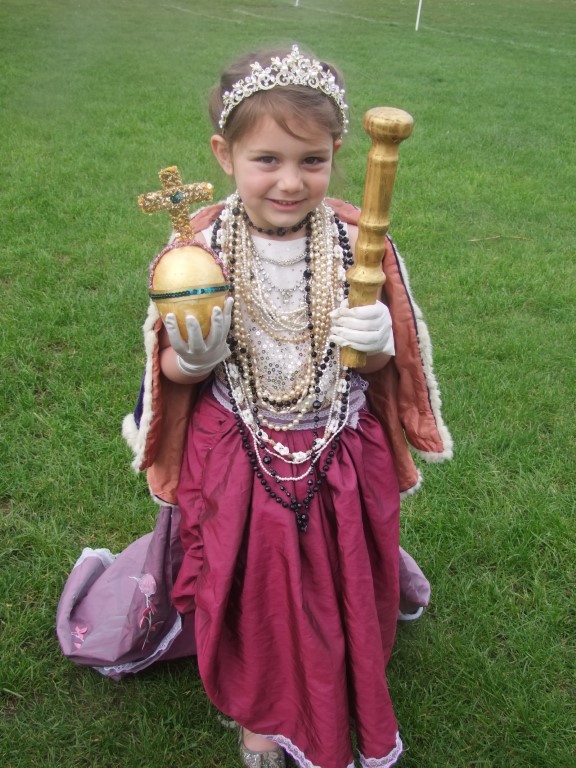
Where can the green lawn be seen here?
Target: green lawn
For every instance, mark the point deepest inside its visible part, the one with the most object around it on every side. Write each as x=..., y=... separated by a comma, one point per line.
x=96, y=97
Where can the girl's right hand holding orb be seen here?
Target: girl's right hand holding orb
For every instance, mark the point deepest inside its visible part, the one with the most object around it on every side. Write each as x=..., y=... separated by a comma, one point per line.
x=197, y=357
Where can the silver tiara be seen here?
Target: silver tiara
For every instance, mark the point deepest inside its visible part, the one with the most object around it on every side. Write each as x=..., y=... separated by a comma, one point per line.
x=294, y=69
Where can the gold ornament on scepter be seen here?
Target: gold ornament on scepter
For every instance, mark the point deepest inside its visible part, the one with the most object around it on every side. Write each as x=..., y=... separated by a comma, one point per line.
x=387, y=127
x=186, y=278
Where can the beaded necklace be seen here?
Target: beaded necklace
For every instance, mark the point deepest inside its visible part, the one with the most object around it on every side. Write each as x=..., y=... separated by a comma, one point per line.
x=263, y=281
x=327, y=255
x=283, y=325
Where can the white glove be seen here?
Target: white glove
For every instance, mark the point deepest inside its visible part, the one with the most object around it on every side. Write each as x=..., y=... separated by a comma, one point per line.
x=366, y=329
x=198, y=356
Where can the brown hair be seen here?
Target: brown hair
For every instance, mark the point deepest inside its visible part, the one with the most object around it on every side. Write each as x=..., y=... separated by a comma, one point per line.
x=288, y=105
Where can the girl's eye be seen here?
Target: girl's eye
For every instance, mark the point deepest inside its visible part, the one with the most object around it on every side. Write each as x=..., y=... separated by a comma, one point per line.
x=314, y=160
x=266, y=159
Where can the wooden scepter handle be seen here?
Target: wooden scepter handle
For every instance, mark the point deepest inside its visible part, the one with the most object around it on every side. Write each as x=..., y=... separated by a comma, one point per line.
x=387, y=127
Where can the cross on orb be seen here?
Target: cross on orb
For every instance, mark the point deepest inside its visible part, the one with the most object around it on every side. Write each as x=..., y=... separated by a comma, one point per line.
x=176, y=198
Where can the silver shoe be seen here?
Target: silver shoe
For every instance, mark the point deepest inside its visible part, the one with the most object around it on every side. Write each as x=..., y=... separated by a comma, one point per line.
x=272, y=758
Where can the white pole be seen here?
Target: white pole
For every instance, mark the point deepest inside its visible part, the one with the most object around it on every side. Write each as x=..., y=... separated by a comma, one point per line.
x=418, y=15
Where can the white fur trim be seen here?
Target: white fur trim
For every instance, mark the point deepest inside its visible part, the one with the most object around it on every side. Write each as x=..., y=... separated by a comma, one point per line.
x=436, y=458
x=425, y=347
x=162, y=502
x=413, y=489
x=134, y=436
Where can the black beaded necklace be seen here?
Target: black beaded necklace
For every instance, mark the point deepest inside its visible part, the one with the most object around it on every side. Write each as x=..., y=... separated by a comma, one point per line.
x=275, y=486
x=281, y=231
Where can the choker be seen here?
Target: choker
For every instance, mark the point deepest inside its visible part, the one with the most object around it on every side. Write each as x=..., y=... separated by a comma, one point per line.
x=281, y=231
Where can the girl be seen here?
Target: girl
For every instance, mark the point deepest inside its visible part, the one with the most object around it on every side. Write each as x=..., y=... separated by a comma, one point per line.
x=289, y=486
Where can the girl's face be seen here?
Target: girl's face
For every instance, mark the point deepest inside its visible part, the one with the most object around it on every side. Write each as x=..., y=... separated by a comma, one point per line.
x=280, y=178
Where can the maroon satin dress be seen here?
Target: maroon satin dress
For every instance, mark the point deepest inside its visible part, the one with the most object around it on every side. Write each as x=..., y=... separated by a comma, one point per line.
x=294, y=630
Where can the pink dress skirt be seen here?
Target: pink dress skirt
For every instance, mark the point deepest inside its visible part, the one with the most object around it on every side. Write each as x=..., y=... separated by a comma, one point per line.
x=294, y=630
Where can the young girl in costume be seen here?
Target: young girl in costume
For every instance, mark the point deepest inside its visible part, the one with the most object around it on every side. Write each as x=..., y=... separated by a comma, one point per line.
x=289, y=486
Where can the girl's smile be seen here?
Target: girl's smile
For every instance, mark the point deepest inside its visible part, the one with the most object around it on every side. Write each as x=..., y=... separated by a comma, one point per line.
x=280, y=176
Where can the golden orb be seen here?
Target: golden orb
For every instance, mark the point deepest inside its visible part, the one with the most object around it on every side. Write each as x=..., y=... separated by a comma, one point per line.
x=187, y=280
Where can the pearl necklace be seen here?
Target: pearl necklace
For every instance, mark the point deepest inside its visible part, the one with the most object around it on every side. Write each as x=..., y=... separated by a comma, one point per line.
x=319, y=296
x=261, y=302
x=277, y=275
x=326, y=257
x=269, y=257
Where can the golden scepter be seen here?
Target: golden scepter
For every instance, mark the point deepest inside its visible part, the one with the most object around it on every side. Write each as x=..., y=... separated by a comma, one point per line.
x=387, y=127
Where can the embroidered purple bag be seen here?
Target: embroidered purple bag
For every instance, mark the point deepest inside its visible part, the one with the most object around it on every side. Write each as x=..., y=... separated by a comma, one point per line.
x=115, y=612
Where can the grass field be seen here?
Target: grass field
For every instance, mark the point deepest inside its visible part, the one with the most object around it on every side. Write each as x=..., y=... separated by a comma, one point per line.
x=96, y=97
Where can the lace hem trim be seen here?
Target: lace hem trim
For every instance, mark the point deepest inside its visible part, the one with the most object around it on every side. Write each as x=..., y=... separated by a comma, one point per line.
x=136, y=666
x=387, y=760
x=366, y=762
x=295, y=753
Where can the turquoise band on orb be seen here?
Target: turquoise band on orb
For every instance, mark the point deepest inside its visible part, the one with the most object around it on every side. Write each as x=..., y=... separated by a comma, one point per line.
x=190, y=292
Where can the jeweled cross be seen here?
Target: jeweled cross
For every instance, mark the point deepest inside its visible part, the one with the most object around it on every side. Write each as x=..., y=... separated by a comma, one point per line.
x=176, y=198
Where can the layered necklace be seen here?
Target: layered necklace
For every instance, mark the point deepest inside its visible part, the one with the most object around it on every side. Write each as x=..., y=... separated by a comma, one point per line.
x=264, y=411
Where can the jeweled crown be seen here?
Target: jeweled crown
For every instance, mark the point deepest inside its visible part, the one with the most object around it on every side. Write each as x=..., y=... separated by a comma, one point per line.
x=293, y=69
